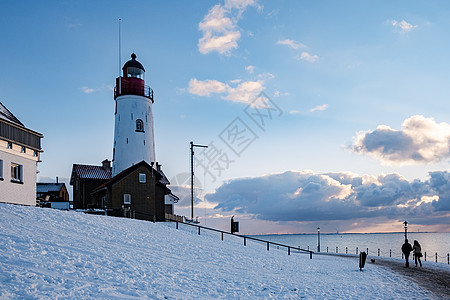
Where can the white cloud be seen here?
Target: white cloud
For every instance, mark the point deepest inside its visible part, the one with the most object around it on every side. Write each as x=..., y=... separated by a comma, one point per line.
x=219, y=27
x=291, y=43
x=245, y=91
x=266, y=76
x=87, y=90
x=294, y=112
x=319, y=108
x=308, y=57
x=206, y=87
x=234, y=90
x=279, y=94
x=250, y=69
x=403, y=26
x=421, y=140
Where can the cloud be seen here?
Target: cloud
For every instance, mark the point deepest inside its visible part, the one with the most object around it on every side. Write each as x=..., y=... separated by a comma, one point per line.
x=87, y=90
x=291, y=43
x=421, y=140
x=307, y=197
x=206, y=87
x=319, y=108
x=403, y=26
x=308, y=57
x=245, y=91
x=250, y=69
x=219, y=27
x=235, y=90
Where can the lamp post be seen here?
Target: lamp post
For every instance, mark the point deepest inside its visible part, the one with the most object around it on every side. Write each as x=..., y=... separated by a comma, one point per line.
x=406, y=229
x=192, y=177
x=318, y=239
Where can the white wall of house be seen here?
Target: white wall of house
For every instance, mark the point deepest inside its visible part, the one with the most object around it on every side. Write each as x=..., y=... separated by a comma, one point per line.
x=23, y=191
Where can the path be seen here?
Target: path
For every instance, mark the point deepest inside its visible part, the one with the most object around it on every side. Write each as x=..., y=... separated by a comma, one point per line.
x=433, y=279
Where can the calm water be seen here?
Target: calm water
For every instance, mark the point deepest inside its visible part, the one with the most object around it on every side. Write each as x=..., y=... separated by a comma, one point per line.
x=430, y=242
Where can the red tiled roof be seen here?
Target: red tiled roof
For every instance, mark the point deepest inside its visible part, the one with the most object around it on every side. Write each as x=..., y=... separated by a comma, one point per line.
x=90, y=172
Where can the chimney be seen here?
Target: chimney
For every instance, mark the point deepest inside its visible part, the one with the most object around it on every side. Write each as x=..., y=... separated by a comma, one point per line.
x=57, y=180
x=158, y=167
x=106, y=164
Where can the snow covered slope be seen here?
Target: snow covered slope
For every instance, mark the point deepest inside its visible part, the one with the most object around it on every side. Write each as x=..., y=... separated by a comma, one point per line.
x=47, y=253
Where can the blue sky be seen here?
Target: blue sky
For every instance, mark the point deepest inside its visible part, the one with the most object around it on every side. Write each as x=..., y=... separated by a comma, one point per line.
x=343, y=77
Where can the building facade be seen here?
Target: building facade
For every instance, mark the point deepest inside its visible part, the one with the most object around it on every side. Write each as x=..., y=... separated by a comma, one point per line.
x=86, y=178
x=137, y=192
x=20, y=149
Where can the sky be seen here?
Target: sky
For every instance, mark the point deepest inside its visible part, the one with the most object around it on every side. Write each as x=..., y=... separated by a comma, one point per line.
x=330, y=114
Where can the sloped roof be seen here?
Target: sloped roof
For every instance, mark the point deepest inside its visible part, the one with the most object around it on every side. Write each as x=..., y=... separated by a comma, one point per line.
x=124, y=173
x=164, y=179
x=43, y=187
x=7, y=115
x=89, y=172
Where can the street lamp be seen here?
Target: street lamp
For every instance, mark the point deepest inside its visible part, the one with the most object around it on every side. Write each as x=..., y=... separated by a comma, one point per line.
x=406, y=229
x=318, y=239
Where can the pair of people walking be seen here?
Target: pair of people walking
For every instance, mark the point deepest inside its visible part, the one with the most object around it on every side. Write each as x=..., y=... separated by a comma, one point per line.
x=417, y=252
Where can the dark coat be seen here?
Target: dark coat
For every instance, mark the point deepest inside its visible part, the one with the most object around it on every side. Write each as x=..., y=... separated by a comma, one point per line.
x=406, y=248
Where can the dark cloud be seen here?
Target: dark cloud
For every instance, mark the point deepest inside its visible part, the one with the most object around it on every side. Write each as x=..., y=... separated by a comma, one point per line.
x=305, y=196
x=421, y=140
x=440, y=181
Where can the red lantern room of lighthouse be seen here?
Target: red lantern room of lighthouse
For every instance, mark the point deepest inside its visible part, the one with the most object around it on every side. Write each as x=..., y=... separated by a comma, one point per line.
x=132, y=82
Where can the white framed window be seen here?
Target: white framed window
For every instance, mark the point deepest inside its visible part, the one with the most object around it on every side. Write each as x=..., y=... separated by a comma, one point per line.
x=1, y=169
x=126, y=198
x=16, y=172
x=142, y=178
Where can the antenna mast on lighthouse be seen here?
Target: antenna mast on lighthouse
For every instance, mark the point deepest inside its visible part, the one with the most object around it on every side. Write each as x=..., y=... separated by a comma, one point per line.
x=120, y=61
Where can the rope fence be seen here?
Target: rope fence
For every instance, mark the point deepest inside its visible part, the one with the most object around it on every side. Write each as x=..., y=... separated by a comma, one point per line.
x=378, y=252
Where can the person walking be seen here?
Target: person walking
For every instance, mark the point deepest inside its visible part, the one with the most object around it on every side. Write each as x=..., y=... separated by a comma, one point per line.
x=406, y=249
x=417, y=250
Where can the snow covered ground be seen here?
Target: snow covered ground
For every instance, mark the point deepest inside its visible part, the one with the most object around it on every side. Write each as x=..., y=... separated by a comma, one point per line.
x=46, y=253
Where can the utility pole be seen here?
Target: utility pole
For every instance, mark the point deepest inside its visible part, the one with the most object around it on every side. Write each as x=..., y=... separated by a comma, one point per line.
x=192, y=177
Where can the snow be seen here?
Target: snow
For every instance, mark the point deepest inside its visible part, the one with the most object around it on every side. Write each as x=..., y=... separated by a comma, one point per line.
x=46, y=253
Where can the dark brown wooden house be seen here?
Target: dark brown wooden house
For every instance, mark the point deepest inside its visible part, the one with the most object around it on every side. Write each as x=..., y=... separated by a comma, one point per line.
x=136, y=192
x=86, y=178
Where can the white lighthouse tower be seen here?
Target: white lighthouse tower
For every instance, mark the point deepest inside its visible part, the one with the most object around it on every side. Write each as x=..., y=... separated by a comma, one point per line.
x=133, y=132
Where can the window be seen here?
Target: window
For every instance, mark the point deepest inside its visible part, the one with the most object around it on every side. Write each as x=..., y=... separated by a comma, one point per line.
x=1, y=169
x=16, y=172
x=139, y=125
x=126, y=198
x=23, y=149
x=36, y=153
x=142, y=178
x=9, y=145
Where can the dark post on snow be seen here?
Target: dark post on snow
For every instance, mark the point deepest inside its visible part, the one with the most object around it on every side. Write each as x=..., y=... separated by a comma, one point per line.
x=406, y=229
x=234, y=225
x=362, y=260
x=318, y=239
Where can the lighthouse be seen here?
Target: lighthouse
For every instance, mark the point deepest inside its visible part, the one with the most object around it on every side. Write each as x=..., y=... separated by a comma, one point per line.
x=133, y=132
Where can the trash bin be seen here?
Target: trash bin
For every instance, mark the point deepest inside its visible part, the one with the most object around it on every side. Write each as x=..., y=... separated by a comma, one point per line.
x=362, y=260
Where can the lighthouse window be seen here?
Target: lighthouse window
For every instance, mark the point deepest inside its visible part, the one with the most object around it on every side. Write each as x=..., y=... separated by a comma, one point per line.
x=139, y=125
x=135, y=72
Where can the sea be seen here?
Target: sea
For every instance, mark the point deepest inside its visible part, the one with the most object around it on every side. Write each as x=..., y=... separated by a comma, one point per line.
x=377, y=244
